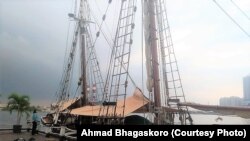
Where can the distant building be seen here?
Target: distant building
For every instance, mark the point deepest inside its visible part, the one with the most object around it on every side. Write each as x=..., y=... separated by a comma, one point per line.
x=231, y=101
x=246, y=90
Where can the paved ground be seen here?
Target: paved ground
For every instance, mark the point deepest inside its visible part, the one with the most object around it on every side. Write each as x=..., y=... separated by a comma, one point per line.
x=10, y=136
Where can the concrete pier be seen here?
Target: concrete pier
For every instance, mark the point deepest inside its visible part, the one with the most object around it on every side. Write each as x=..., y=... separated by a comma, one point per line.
x=8, y=135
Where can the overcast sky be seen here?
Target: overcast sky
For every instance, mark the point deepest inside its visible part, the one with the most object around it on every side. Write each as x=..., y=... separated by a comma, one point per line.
x=212, y=52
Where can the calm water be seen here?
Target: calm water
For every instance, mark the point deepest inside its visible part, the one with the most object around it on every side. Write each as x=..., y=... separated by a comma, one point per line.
x=211, y=119
x=7, y=119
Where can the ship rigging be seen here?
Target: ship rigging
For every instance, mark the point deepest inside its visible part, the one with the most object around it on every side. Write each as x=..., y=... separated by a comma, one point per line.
x=107, y=99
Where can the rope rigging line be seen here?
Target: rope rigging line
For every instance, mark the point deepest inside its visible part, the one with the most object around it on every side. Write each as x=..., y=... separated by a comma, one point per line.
x=69, y=111
x=142, y=44
x=142, y=57
x=100, y=27
x=234, y=21
x=109, y=31
x=103, y=33
x=109, y=43
x=70, y=61
x=65, y=63
x=98, y=24
x=117, y=77
x=96, y=73
x=66, y=80
x=171, y=84
x=99, y=30
x=116, y=14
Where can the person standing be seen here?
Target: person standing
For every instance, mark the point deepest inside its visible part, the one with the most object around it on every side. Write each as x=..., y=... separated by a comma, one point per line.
x=35, y=120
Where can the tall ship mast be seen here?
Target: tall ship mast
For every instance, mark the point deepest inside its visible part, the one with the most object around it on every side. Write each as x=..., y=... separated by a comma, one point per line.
x=163, y=78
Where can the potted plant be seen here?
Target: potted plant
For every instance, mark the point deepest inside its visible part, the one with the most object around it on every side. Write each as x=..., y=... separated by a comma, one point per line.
x=20, y=104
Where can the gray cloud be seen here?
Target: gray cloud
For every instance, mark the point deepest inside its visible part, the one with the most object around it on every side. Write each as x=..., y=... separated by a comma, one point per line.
x=32, y=46
x=33, y=39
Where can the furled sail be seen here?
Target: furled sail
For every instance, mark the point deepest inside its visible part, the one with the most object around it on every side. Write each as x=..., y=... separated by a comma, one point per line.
x=147, y=49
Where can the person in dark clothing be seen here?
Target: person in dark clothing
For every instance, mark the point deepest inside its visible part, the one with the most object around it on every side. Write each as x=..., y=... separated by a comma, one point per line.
x=35, y=119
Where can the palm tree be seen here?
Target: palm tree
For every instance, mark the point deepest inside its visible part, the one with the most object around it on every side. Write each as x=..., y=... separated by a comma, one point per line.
x=19, y=103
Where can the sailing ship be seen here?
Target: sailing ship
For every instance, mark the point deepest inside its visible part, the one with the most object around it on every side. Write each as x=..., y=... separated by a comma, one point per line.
x=107, y=99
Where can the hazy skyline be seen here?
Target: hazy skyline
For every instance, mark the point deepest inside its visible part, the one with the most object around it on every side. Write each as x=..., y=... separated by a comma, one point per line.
x=212, y=52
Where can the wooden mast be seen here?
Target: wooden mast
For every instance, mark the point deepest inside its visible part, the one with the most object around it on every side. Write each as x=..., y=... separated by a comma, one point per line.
x=154, y=53
x=83, y=53
x=83, y=65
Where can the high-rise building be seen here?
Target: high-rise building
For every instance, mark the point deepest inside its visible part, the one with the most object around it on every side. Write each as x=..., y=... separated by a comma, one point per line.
x=246, y=89
x=231, y=101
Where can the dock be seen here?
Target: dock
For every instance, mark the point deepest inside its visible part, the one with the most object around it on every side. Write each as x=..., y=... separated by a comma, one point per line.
x=8, y=135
